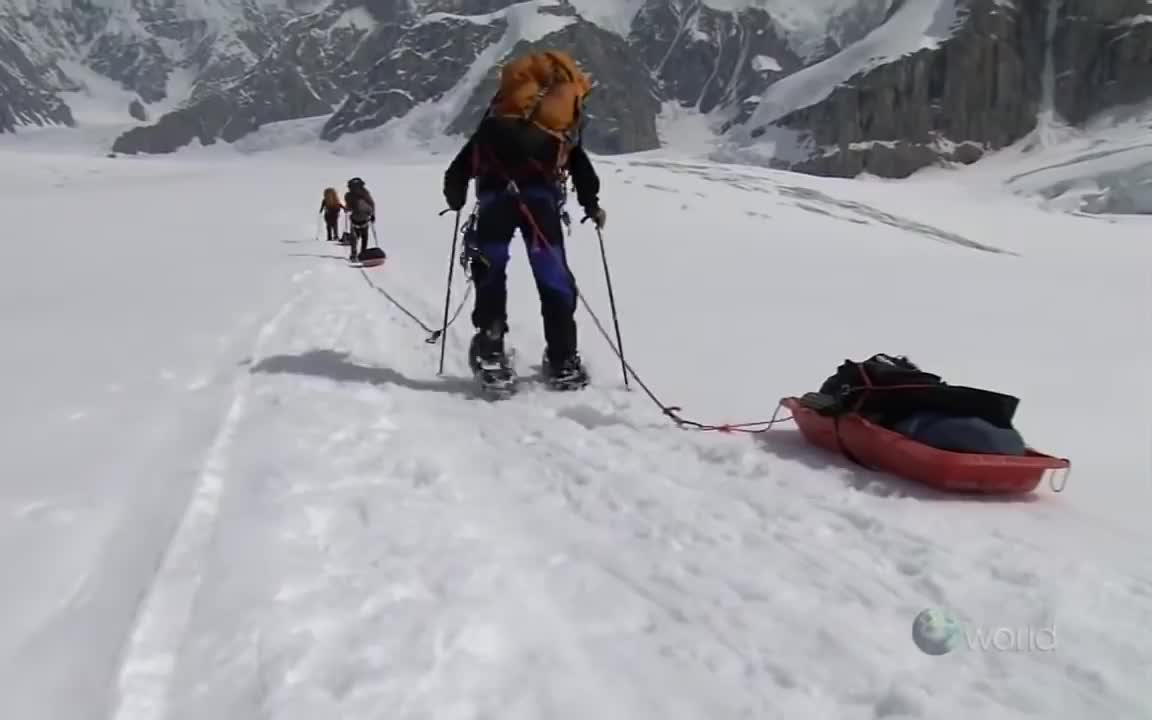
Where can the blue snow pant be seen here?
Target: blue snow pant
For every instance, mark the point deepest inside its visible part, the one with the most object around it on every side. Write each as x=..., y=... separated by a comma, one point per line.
x=500, y=215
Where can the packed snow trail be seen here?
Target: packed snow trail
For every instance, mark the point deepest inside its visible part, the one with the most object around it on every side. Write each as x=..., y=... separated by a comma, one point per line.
x=128, y=291
x=362, y=538
x=388, y=544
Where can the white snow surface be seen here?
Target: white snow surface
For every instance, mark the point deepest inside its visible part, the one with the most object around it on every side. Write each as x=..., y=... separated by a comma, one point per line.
x=232, y=485
x=1103, y=167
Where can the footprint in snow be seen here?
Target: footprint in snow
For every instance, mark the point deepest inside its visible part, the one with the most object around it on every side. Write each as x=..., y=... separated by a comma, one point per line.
x=423, y=472
x=590, y=417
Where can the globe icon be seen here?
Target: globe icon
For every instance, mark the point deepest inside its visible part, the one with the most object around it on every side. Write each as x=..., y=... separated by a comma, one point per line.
x=935, y=632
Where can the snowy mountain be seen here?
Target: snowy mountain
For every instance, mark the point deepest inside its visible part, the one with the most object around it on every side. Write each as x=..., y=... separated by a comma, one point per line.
x=834, y=87
x=366, y=62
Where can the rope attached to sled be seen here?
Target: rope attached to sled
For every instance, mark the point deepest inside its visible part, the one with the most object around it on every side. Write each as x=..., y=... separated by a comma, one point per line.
x=672, y=411
x=434, y=335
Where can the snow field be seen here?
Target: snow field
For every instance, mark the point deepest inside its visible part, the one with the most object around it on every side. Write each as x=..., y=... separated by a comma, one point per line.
x=300, y=520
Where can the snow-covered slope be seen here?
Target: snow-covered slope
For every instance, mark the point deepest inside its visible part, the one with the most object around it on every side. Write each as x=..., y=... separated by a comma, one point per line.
x=1103, y=168
x=233, y=486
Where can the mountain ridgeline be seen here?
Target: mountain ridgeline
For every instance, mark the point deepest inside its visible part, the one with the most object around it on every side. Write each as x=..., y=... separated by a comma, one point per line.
x=221, y=69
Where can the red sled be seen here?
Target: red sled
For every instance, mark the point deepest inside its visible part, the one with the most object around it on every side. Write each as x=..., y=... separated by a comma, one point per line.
x=883, y=449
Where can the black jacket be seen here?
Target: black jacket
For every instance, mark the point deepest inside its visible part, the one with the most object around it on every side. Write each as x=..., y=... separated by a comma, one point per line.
x=501, y=150
x=361, y=206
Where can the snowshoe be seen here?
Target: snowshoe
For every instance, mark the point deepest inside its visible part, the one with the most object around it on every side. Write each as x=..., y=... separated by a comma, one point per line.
x=372, y=257
x=491, y=366
x=570, y=374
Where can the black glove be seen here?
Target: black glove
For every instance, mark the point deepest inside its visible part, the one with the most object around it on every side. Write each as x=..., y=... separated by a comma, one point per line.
x=455, y=197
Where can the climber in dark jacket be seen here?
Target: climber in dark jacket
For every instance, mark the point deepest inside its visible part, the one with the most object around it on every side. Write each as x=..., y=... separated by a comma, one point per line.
x=519, y=171
x=361, y=213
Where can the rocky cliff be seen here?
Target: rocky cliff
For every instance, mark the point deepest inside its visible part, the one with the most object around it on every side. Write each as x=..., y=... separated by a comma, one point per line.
x=27, y=91
x=1003, y=64
x=1103, y=55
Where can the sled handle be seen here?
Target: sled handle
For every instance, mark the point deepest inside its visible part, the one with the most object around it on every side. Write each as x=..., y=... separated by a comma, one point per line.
x=1058, y=477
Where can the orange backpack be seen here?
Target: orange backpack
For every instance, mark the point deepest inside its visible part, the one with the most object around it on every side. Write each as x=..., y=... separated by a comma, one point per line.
x=546, y=89
x=331, y=199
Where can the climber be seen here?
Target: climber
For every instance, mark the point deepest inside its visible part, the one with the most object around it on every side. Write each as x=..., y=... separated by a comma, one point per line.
x=331, y=206
x=520, y=156
x=361, y=214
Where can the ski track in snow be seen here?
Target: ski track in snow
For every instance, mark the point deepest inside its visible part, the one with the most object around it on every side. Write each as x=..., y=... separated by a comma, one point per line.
x=160, y=626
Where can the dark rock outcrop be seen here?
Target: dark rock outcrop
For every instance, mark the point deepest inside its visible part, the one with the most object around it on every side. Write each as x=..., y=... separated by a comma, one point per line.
x=137, y=111
x=982, y=88
x=210, y=119
x=420, y=62
x=26, y=96
x=706, y=58
x=979, y=90
x=1103, y=55
x=138, y=65
x=305, y=73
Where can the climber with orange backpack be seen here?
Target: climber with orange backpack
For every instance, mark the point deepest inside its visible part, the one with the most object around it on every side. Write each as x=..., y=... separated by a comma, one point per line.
x=522, y=153
x=331, y=206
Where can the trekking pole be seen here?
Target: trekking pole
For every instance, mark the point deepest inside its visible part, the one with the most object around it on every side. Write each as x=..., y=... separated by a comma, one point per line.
x=448, y=290
x=612, y=304
x=316, y=235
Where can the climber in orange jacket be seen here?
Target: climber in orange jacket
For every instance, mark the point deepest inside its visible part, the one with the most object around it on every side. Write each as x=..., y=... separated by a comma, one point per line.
x=331, y=207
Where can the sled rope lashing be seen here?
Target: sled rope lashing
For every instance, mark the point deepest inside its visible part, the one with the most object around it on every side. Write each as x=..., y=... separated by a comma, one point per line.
x=865, y=390
x=434, y=335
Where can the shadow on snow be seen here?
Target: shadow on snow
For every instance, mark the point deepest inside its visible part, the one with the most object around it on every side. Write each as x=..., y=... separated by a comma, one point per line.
x=337, y=366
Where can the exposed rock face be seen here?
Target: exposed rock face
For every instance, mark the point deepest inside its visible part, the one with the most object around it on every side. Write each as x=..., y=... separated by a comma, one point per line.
x=138, y=65
x=137, y=111
x=211, y=118
x=26, y=97
x=982, y=89
x=304, y=74
x=1103, y=55
x=420, y=61
x=707, y=59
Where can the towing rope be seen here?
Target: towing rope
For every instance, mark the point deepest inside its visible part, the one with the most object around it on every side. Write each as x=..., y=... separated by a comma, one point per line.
x=434, y=335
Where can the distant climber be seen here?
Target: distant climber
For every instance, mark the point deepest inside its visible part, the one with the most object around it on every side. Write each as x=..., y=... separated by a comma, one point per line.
x=521, y=155
x=331, y=207
x=361, y=214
